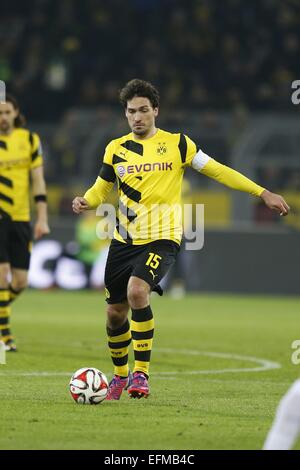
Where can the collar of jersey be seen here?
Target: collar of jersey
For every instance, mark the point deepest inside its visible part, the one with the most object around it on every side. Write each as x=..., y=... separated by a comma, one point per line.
x=149, y=139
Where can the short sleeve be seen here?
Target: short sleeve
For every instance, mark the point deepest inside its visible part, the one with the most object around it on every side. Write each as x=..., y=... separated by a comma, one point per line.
x=107, y=171
x=187, y=149
x=36, y=151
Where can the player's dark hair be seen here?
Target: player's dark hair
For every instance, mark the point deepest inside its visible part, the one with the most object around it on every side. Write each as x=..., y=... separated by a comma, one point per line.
x=139, y=88
x=20, y=120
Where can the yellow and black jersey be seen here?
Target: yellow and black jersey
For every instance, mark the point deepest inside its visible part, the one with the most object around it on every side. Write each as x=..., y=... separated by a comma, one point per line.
x=149, y=175
x=20, y=152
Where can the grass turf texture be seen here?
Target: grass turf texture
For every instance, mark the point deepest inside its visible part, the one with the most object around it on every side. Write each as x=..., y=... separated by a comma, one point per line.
x=60, y=332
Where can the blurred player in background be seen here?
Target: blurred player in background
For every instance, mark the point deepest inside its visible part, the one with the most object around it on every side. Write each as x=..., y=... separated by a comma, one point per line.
x=148, y=164
x=286, y=427
x=20, y=161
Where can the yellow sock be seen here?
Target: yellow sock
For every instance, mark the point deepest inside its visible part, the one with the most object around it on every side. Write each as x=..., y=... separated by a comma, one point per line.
x=5, y=312
x=118, y=343
x=142, y=330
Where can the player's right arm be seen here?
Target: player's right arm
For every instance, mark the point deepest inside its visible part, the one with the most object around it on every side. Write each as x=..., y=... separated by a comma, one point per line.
x=94, y=197
x=97, y=194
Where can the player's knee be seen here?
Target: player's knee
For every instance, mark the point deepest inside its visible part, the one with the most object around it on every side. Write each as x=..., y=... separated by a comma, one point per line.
x=138, y=294
x=19, y=284
x=4, y=272
x=116, y=316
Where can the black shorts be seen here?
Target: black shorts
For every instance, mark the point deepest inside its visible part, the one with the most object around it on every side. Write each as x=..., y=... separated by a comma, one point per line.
x=15, y=243
x=149, y=262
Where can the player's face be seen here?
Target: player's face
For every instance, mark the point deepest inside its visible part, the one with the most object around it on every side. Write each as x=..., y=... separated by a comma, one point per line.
x=8, y=115
x=141, y=116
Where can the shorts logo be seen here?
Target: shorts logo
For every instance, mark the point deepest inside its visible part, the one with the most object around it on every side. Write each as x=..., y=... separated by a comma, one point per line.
x=107, y=293
x=121, y=170
x=161, y=148
x=153, y=275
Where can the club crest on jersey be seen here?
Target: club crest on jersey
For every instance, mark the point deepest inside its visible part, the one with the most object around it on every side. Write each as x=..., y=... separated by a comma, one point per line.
x=121, y=170
x=161, y=148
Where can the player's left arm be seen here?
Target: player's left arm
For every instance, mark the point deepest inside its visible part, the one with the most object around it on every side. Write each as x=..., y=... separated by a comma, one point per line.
x=39, y=190
x=235, y=180
x=41, y=226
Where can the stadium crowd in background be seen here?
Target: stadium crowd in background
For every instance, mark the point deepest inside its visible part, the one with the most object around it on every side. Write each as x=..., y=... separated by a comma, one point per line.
x=208, y=58
x=212, y=54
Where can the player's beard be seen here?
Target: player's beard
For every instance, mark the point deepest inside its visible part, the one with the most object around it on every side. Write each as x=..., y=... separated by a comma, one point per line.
x=4, y=127
x=141, y=132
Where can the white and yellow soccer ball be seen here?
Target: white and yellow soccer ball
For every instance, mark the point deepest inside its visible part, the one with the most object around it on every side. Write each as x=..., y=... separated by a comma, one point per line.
x=88, y=386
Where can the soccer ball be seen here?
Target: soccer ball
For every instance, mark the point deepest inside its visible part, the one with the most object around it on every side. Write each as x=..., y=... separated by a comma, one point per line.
x=88, y=386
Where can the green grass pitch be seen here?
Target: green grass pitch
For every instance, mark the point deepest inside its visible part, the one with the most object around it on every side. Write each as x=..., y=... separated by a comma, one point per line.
x=203, y=395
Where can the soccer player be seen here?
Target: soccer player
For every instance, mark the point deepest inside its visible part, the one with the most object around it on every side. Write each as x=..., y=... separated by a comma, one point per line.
x=148, y=165
x=20, y=160
x=286, y=427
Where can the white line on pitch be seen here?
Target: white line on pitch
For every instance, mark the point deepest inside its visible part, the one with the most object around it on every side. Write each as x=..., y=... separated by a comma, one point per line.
x=263, y=365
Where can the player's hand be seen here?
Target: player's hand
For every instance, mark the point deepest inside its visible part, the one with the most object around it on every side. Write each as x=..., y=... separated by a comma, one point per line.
x=41, y=228
x=275, y=202
x=80, y=205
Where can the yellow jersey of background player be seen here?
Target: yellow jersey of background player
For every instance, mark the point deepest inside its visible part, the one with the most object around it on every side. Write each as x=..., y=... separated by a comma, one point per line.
x=20, y=161
x=148, y=165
